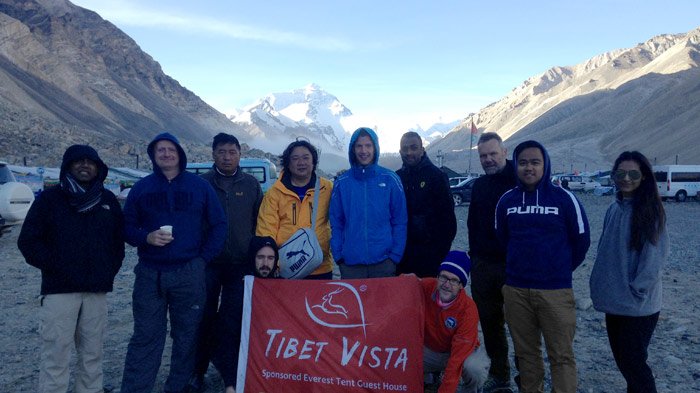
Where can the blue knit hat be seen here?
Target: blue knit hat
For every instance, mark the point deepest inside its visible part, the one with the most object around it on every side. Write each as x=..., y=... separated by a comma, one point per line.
x=457, y=263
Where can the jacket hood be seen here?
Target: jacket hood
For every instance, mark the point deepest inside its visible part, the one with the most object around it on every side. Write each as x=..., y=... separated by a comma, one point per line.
x=353, y=139
x=166, y=136
x=257, y=243
x=547, y=164
x=79, y=152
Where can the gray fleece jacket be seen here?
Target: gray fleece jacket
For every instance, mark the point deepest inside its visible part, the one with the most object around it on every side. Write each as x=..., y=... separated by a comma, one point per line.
x=625, y=281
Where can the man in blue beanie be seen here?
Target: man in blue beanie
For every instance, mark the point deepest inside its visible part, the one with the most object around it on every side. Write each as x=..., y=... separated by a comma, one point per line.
x=176, y=220
x=452, y=328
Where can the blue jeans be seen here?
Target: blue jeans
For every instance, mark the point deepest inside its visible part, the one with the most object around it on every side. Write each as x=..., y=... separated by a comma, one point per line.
x=629, y=339
x=181, y=293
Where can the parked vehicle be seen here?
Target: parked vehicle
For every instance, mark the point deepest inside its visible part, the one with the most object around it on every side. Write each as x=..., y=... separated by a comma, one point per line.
x=462, y=192
x=677, y=181
x=456, y=180
x=15, y=197
x=260, y=168
x=575, y=182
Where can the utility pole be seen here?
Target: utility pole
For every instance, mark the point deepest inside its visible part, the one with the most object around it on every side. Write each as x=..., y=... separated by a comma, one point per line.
x=137, y=159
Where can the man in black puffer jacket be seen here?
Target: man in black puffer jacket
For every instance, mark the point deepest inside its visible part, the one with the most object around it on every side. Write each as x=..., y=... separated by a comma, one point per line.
x=489, y=256
x=431, y=216
x=74, y=234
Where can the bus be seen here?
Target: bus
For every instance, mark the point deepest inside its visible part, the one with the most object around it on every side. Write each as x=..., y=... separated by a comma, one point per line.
x=260, y=168
x=677, y=181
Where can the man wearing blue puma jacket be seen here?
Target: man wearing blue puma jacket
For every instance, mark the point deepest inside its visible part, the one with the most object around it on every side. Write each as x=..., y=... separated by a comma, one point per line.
x=368, y=213
x=546, y=235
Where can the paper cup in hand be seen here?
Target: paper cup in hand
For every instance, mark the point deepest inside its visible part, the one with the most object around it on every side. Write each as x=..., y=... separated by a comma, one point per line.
x=167, y=228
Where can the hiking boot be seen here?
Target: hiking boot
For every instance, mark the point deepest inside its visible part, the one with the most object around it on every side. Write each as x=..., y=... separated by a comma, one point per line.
x=495, y=385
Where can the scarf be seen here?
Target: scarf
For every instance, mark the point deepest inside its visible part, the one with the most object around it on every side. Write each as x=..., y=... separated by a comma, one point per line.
x=79, y=198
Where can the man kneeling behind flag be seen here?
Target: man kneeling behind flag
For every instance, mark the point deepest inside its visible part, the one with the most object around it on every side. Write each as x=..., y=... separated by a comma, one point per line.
x=451, y=328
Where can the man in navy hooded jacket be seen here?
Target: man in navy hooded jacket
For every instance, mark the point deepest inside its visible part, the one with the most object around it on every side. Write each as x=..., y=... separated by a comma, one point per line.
x=546, y=235
x=368, y=213
x=170, y=272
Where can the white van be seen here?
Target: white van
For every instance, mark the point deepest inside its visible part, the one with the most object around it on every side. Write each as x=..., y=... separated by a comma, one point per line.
x=677, y=181
x=260, y=168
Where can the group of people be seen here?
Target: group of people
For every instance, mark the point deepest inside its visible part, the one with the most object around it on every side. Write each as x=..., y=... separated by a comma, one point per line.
x=527, y=236
x=197, y=237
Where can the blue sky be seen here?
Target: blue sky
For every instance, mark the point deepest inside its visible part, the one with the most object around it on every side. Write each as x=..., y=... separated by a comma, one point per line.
x=393, y=63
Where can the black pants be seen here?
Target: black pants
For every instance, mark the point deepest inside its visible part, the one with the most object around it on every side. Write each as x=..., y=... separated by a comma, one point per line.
x=178, y=294
x=487, y=281
x=629, y=339
x=220, y=330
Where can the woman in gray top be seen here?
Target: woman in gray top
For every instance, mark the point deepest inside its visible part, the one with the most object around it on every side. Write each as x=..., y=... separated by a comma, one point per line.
x=626, y=278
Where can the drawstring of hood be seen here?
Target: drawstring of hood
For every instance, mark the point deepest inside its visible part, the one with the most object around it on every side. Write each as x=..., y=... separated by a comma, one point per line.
x=537, y=197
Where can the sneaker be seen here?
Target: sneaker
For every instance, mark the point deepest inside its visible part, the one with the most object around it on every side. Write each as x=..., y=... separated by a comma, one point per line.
x=495, y=385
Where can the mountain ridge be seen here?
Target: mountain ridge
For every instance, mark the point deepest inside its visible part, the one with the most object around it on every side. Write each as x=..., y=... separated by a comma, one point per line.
x=553, y=104
x=69, y=76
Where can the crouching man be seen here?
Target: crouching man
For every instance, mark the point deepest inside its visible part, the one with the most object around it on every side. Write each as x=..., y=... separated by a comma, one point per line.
x=451, y=328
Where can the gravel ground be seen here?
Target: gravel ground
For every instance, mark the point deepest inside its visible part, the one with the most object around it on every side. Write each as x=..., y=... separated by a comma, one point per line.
x=674, y=350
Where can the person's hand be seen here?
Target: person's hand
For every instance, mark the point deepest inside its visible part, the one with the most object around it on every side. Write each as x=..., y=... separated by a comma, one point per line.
x=159, y=238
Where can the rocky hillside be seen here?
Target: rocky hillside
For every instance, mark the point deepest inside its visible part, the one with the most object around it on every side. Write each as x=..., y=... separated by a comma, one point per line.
x=645, y=98
x=68, y=76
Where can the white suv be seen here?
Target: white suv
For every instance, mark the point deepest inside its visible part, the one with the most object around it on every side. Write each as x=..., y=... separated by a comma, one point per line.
x=576, y=182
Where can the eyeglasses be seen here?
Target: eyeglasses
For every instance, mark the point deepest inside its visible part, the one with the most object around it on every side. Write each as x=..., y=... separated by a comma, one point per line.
x=620, y=174
x=453, y=281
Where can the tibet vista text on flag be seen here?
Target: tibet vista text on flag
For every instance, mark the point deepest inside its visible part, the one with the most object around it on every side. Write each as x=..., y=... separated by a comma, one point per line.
x=331, y=336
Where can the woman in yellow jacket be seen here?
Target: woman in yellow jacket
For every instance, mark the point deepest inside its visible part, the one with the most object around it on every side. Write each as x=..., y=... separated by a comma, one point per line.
x=287, y=206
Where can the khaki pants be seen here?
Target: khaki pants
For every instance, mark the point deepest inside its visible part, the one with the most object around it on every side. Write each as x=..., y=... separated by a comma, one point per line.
x=535, y=313
x=474, y=369
x=70, y=320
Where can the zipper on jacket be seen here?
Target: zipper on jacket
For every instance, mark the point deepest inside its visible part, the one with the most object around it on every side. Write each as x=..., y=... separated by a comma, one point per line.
x=311, y=209
x=294, y=213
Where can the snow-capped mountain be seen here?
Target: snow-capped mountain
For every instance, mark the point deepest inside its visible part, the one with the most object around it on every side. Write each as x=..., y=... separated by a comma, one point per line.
x=435, y=131
x=310, y=112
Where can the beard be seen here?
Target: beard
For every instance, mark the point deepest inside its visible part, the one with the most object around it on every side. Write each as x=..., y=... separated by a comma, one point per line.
x=264, y=271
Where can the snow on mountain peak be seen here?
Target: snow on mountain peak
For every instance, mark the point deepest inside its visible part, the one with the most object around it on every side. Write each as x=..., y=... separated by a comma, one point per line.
x=310, y=109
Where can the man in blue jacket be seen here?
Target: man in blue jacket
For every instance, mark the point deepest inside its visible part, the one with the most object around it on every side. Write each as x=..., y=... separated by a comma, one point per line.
x=175, y=219
x=367, y=213
x=546, y=235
